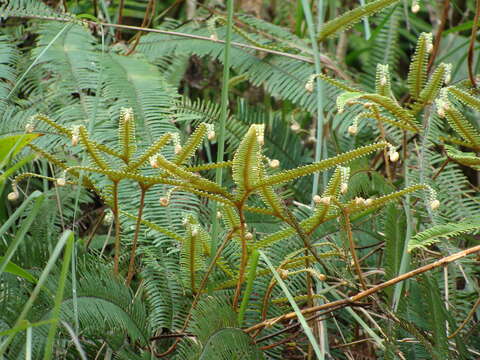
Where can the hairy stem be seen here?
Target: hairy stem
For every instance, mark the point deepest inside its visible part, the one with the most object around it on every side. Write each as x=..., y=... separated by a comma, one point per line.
x=131, y=266
x=116, y=219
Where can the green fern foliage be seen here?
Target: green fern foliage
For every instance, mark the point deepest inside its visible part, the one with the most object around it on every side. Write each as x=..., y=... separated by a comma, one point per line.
x=436, y=233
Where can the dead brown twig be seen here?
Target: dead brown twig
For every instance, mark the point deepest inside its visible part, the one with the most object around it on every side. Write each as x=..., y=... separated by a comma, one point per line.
x=346, y=302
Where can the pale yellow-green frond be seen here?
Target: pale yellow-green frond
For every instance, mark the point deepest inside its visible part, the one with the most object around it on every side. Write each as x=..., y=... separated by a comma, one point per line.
x=417, y=75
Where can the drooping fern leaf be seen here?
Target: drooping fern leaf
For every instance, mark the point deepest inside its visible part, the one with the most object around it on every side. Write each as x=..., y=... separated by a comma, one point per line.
x=436, y=233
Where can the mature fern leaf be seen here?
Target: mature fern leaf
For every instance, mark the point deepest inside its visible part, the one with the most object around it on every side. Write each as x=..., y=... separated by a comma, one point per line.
x=26, y=8
x=436, y=233
x=9, y=55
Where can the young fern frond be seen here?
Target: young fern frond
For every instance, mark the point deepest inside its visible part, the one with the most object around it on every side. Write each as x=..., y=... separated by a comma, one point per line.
x=194, y=141
x=61, y=129
x=351, y=17
x=309, y=86
x=356, y=210
x=268, y=195
x=465, y=97
x=148, y=153
x=247, y=158
x=390, y=105
x=465, y=158
x=126, y=134
x=417, y=75
x=432, y=89
x=461, y=125
x=194, y=179
x=289, y=175
x=383, y=85
x=433, y=235
x=91, y=149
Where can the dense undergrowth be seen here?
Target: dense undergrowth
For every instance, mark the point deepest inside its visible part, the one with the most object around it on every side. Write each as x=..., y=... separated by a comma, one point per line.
x=251, y=180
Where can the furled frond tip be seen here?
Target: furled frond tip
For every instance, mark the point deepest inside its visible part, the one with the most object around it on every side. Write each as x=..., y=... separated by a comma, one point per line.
x=274, y=163
x=322, y=200
x=13, y=196
x=415, y=6
x=75, y=135
x=393, y=154
x=344, y=177
x=29, y=128
x=433, y=202
x=383, y=74
x=295, y=127
x=309, y=85
x=61, y=181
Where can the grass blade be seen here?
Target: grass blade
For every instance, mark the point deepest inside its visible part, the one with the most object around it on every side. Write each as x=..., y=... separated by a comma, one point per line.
x=59, y=295
x=301, y=318
x=33, y=296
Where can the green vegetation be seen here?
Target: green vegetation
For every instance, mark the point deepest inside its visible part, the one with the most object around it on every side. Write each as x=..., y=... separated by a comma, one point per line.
x=247, y=180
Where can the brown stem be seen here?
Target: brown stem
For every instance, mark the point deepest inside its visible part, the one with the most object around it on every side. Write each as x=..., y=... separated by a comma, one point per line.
x=118, y=34
x=471, y=47
x=441, y=168
x=348, y=227
x=372, y=290
x=438, y=35
x=147, y=19
x=467, y=319
x=117, y=227
x=131, y=266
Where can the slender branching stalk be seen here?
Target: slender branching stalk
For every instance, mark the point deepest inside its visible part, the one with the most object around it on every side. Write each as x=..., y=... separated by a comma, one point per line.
x=131, y=266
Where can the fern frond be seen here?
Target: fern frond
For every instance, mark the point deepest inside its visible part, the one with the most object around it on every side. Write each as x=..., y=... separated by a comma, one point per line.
x=91, y=149
x=194, y=179
x=27, y=8
x=465, y=158
x=288, y=175
x=432, y=89
x=126, y=134
x=246, y=161
x=194, y=141
x=465, y=97
x=384, y=102
x=152, y=150
x=348, y=19
x=462, y=126
x=336, y=83
x=433, y=235
x=417, y=74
